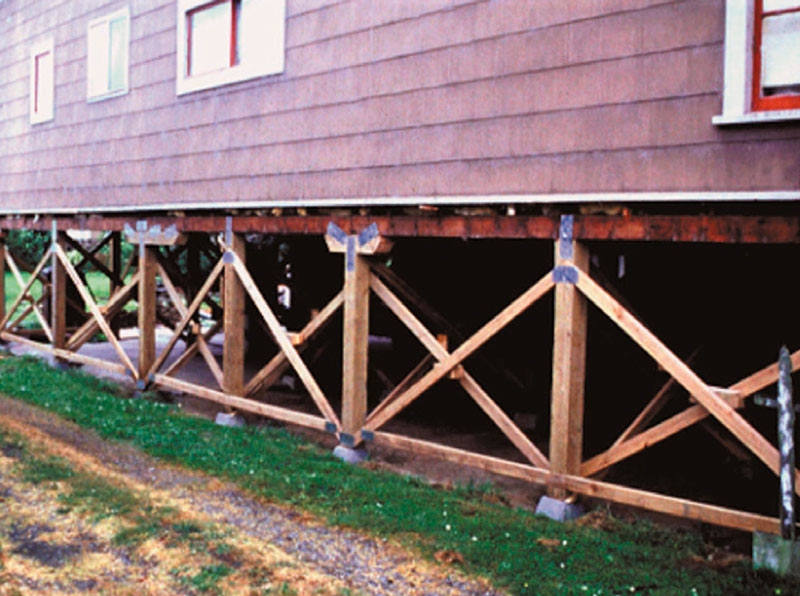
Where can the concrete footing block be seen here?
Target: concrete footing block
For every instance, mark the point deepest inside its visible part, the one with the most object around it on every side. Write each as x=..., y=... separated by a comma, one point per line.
x=349, y=455
x=234, y=420
x=558, y=510
x=777, y=554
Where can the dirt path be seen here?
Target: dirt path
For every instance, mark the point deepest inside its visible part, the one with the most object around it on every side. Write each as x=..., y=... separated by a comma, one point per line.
x=277, y=550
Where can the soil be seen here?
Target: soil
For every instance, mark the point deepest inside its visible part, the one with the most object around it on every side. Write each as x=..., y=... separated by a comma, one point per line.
x=45, y=548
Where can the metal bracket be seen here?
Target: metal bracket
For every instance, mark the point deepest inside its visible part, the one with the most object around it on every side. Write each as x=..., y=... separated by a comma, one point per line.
x=228, y=230
x=565, y=274
x=368, y=234
x=367, y=435
x=330, y=427
x=153, y=235
x=54, y=235
x=336, y=233
x=565, y=237
x=347, y=440
x=228, y=257
x=350, y=253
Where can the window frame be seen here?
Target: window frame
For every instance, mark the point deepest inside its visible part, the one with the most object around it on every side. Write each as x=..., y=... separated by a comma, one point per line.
x=39, y=114
x=740, y=80
x=271, y=64
x=106, y=20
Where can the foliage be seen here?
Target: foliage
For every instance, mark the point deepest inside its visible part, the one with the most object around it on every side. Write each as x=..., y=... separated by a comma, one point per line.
x=28, y=245
x=519, y=551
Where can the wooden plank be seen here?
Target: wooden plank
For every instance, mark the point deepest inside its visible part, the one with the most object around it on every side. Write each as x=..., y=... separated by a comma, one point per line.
x=355, y=340
x=58, y=295
x=89, y=257
x=470, y=385
x=279, y=335
x=94, y=309
x=234, y=299
x=115, y=304
x=2, y=276
x=412, y=377
x=682, y=508
x=273, y=370
x=190, y=310
x=763, y=378
x=200, y=340
x=241, y=403
x=652, y=408
x=569, y=369
x=146, y=312
x=192, y=350
x=25, y=289
x=34, y=304
x=715, y=405
x=508, y=314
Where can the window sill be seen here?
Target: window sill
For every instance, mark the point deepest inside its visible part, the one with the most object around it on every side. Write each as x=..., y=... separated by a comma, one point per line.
x=756, y=117
x=109, y=95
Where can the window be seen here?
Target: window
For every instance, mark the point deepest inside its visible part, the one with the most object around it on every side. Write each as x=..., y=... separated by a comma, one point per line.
x=42, y=84
x=762, y=61
x=226, y=41
x=107, y=55
x=776, y=63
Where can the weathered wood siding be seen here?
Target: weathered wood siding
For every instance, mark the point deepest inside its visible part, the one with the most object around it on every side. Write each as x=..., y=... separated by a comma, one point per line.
x=405, y=97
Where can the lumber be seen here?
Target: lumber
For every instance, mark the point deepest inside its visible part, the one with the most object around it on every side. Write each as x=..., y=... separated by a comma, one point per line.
x=470, y=385
x=716, y=406
x=26, y=288
x=484, y=334
x=355, y=340
x=34, y=304
x=2, y=276
x=283, y=342
x=683, y=508
x=569, y=366
x=233, y=317
x=58, y=294
x=242, y=404
x=94, y=309
x=146, y=312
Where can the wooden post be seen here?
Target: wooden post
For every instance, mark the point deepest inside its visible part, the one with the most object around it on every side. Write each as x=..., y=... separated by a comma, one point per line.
x=148, y=266
x=569, y=358
x=234, y=319
x=356, y=339
x=115, y=264
x=2, y=275
x=58, y=304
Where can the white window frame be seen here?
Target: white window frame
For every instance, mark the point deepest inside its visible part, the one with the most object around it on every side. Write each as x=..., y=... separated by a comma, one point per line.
x=47, y=112
x=91, y=93
x=737, y=92
x=271, y=63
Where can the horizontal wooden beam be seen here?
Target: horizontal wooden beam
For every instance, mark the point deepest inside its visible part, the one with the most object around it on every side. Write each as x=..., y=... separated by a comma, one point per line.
x=726, y=229
x=683, y=508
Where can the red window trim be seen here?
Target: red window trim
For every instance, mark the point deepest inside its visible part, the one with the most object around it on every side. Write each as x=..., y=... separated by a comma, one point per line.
x=775, y=102
x=235, y=6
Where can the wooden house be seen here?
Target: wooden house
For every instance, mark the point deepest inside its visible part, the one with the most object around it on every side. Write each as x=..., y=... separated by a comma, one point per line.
x=462, y=141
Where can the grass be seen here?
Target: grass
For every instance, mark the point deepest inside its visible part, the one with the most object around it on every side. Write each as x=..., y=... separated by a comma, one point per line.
x=520, y=552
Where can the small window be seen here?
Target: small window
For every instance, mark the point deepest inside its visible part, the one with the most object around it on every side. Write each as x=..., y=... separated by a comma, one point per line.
x=762, y=61
x=107, y=55
x=776, y=61
x=42, y=84
x=227, y=41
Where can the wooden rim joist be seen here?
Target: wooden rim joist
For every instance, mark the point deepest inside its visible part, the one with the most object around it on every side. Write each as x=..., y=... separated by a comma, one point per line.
x=562, y=469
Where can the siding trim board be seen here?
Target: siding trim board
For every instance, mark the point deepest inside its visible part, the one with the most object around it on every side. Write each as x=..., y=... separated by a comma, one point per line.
x=649, y=198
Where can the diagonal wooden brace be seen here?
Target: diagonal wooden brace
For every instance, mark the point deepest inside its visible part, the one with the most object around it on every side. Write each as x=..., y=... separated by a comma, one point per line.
x=710, y=401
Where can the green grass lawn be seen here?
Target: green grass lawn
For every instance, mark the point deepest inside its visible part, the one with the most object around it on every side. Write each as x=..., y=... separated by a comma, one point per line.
x=519, y=551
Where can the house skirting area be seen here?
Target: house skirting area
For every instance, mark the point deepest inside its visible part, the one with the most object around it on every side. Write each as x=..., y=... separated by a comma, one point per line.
x=576, y=339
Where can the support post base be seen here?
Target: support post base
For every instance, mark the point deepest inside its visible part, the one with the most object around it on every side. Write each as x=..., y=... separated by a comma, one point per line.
x=233, y=420
x=349, y=455
x=775, y=553
x=558, y=510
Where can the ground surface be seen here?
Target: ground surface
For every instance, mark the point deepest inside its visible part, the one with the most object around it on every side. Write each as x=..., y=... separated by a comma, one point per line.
x=180, y=532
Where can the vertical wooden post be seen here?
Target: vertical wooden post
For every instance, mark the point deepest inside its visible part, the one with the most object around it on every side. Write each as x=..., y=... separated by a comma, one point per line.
x=58, y=304
x=148, y=266
x=233, y=319
x=2, y=275
x=115, y=265
x=569, y=358
x=356, y=339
